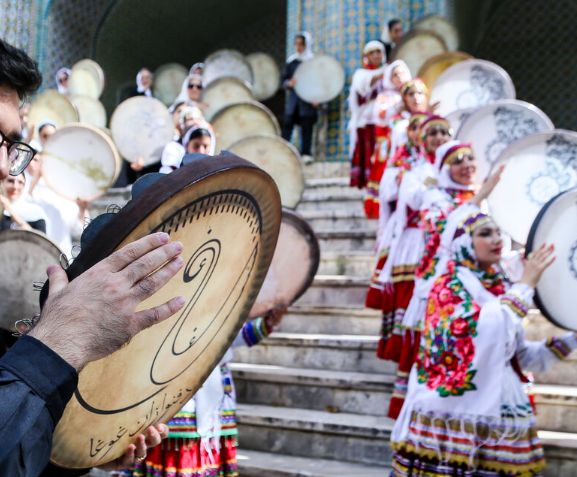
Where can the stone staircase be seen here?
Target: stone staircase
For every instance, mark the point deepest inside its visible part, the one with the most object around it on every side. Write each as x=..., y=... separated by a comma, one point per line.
x=313, y=396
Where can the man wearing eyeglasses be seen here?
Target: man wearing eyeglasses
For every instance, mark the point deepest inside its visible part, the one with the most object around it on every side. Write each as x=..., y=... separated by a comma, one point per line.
x=39, y=373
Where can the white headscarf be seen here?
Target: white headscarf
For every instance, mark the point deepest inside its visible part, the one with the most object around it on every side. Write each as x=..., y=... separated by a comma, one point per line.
x=387, y=82
x=308, y=53
x=183, y=95
x=61, y=88
x=444, y=180
x=139, y=86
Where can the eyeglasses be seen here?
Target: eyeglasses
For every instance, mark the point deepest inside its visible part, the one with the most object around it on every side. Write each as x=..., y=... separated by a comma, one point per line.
x=19, y=154
x=194, y=85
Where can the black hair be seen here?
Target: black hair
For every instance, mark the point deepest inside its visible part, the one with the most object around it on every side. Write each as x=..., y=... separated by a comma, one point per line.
x=301, y=36
x=200, y=132
x=18, y=71
x=393, y=22
x=42, y=126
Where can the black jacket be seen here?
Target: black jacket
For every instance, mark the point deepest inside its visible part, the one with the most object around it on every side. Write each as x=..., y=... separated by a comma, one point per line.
x=295, y=105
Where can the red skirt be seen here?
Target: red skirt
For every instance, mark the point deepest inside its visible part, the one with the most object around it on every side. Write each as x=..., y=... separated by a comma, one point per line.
x=187, y=458
x=361, y=161
x=378, y=164
x=396, y=305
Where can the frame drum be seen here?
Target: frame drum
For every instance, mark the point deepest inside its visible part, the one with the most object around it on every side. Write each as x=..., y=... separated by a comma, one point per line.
x=417, y=47
x=141, y=127
x=442, y=27
x=226, y=212
x=90, y=111
x=294, y=265
x=556, y=224
x=434, y=66
x=168, y=80
x=280, y=159
x=537, y=168
x=493, y=127
x=238, y=121
x=51, y=106
x=87, y=79
x=457, y=117
x=224, y=92
x=319, y=80
x=24, y=255
x=223, y=63
x=471, y=84
x=266, y=75
x=80, y=161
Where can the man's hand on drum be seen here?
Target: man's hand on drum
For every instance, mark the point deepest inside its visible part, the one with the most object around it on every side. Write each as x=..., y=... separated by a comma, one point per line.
x=137, y=165
x=95, y=314
x=136, y=453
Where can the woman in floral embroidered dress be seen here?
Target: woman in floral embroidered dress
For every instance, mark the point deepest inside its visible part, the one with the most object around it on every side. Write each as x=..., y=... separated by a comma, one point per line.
x=466, y=413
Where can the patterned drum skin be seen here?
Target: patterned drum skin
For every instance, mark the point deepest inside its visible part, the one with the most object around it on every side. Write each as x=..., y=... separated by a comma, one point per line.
x=493, y=127
x=537, y=168
x=471, y=84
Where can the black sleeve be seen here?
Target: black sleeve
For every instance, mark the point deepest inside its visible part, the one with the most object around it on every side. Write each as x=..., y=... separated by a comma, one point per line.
x=35, y=386
x=39, y=225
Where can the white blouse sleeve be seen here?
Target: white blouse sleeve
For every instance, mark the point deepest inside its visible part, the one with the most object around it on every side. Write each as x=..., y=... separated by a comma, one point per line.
x=536, y=356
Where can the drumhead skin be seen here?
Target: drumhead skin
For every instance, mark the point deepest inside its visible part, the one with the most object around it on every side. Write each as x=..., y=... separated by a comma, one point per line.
x=458, y=117
x=442, y=27
x=556, y=224
x=226, y=212
x=90, y=111
x=294, y=265
x=537, y=168
x=141, y=127
x=280, y=159
x=241, y=120
x=434, y=66
x=223, y=63
x=80, y=162
x=168, y=81
x=493, y=127
x=266, y=75
x=222, y=93
x=87, y=79
x=25, y=256
x=417, y=47
x=51, y=106
x=471, y=84
x=319, y=80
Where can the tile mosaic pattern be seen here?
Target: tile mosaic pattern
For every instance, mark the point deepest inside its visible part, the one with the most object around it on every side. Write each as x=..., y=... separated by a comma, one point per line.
x=341, y=28
x=19, y=23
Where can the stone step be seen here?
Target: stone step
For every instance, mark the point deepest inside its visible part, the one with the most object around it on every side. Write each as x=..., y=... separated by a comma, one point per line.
x=327, y=170
x=319, y=183
x=331, y=320
x=556, y=407
x=356, y=264
x=327, y=191
x=355, y=353
x=318, y=389
x=315, y=434
x=330, y=203
x=560, y=452
x=346, y=240
x=338, y=220
x=266, y=464
x=336, y=290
